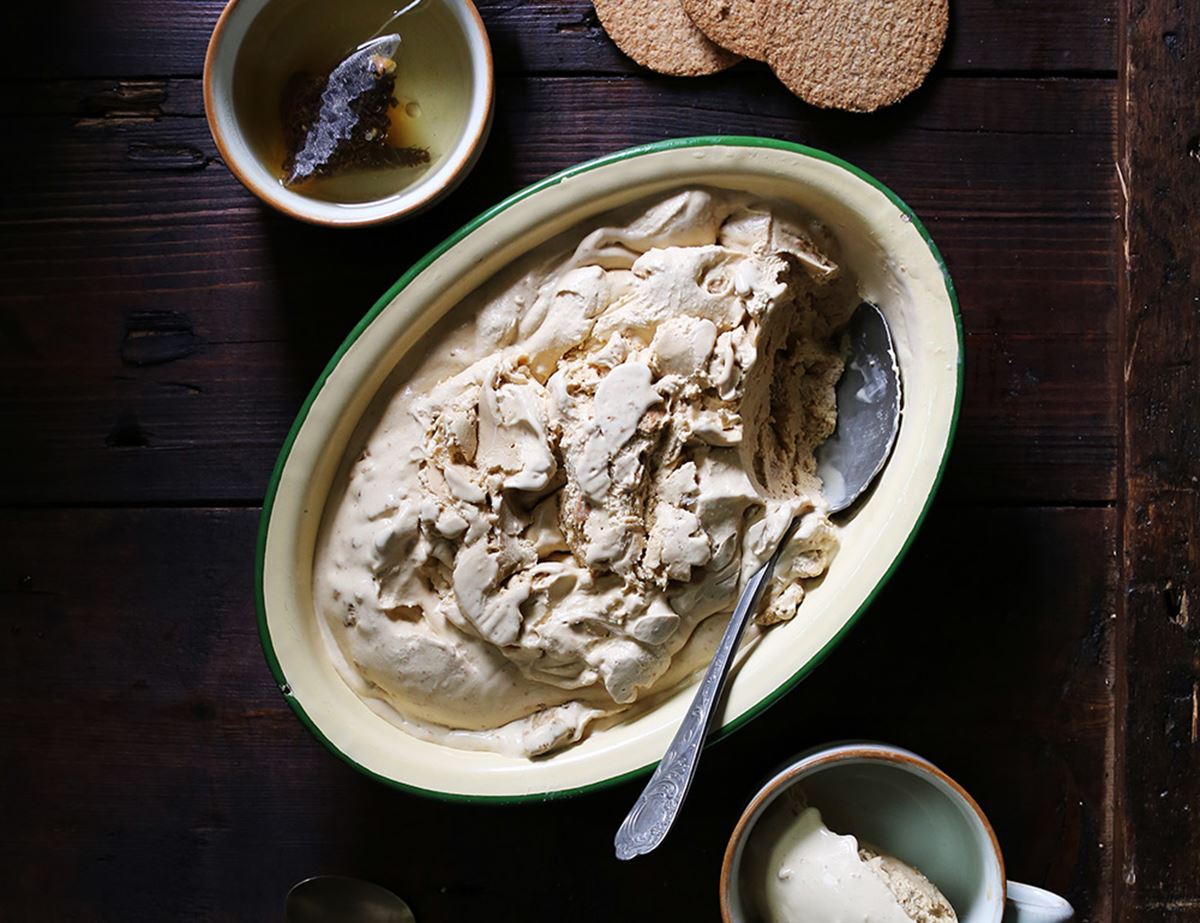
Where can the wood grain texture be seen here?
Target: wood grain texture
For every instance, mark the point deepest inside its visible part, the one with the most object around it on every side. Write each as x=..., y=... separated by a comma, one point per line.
x=1159, y=829
x=169, y=37
x=971, y=147
x=161, y=328
x=153, y=771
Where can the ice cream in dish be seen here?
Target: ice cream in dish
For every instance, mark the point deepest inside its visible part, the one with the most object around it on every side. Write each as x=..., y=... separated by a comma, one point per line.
x=590, y=457
x=797, y=869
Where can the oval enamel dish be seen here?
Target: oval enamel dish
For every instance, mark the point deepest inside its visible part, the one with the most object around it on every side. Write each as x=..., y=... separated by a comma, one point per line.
x=897, y=267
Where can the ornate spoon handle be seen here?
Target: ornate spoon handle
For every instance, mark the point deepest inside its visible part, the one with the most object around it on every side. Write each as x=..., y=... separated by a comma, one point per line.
x=656, y=809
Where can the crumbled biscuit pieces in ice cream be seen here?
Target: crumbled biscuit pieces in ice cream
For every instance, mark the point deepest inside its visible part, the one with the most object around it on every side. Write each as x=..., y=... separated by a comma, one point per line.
x=590, y=465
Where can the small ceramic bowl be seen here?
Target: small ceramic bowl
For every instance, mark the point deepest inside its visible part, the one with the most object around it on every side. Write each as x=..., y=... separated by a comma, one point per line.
x=447, y=171
x=907, y=807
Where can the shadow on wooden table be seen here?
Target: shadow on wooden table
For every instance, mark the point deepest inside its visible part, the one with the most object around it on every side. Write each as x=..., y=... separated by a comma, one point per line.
x=940, y=664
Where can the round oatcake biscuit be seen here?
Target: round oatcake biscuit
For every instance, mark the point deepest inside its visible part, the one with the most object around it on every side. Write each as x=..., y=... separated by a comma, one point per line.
x=854, y=54
x=658, y=35
x=735, y=25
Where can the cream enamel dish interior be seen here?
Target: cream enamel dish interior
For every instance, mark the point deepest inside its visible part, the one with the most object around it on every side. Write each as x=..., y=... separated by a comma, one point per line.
x=227, y=38
x=897, y=267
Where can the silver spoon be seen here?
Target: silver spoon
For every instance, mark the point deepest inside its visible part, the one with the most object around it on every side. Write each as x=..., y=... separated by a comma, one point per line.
x=868, y=418
x=338, y=899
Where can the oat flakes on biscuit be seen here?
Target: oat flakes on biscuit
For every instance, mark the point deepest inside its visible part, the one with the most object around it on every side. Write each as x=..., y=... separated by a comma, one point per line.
x=735, y=25
x=658, y=34
x=854, y=54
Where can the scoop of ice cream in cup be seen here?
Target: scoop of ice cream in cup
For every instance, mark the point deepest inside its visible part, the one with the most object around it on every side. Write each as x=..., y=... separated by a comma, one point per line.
x=861, y=830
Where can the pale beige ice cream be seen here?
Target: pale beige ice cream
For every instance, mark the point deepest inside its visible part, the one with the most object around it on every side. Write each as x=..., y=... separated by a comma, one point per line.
x=919, y=896
x=586, y=462
x=797, y=869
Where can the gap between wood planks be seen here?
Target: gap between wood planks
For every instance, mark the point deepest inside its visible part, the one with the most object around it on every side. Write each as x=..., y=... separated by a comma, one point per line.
x=123, y=99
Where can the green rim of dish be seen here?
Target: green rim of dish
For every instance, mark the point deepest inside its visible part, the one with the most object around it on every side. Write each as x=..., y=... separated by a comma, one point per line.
x=418, y=267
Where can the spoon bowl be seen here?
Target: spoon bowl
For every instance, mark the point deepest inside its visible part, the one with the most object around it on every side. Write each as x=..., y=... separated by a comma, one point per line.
x=868, y=411
x=336, y=897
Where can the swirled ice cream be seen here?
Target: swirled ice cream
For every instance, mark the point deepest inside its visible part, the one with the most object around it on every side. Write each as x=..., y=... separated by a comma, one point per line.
x=797, y=870
x=582, y=468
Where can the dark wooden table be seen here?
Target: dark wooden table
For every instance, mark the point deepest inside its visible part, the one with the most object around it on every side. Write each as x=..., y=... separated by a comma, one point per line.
x=159, y=328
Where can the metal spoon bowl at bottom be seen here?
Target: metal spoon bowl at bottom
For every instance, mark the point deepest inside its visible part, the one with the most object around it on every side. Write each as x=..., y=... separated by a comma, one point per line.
x=338, y=899
x=868, y=419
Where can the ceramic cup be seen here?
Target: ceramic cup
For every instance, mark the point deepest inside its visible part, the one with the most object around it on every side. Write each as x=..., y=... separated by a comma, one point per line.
x=907, y=807
x=237, y=153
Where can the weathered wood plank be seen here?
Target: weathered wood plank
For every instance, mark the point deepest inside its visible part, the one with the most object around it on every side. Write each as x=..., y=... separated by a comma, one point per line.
x=960, y=148
x=1065, y=37
x=153, y=771
x=132, y=37
x=162, y=327
x=184, y=390
x=1159, y=755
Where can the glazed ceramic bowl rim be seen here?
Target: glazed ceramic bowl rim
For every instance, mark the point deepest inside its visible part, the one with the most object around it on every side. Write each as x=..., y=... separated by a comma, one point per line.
x=221, y=58
x=807, y=762
x=731, y=145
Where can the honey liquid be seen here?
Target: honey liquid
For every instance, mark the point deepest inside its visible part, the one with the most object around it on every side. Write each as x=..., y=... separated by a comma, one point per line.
x=433, y=84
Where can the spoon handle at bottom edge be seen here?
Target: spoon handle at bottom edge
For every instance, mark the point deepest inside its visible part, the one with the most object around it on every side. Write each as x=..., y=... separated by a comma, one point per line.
x=655, y=811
